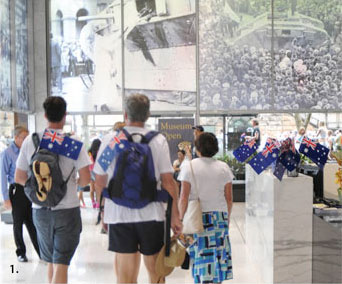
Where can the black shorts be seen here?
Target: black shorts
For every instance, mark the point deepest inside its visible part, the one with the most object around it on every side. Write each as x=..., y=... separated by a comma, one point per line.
x=145, y=237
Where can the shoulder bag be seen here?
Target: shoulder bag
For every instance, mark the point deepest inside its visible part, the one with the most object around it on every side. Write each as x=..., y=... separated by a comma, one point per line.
x=192, y=221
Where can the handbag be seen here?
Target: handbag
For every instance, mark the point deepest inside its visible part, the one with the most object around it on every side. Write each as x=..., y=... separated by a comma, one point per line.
x=192, y=220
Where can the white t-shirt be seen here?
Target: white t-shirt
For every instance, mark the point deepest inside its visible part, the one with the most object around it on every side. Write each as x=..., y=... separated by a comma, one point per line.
x=70, y=200
x=211, y=177
x=154, y=211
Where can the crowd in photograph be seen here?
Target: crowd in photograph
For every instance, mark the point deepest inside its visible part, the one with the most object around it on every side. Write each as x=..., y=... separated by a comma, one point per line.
x=240, y=77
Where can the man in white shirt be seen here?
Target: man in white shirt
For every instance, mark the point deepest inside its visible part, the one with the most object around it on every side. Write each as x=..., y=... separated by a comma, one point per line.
x=138, y=231
x=59, y=227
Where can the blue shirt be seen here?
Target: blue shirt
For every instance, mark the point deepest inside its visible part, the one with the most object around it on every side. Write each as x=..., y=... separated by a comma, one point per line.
x=8, y=160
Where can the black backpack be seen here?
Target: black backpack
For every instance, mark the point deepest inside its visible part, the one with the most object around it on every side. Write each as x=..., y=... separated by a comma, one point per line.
x=45, y=185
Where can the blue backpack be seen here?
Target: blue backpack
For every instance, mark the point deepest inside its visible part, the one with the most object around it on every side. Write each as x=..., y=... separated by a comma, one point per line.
x=134, y=183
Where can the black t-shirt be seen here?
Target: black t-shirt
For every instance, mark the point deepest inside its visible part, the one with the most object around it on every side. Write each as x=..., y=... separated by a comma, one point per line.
x=256, y=130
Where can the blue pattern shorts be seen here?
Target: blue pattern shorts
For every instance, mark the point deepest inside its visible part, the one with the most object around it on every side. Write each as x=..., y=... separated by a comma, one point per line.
x=210, y=253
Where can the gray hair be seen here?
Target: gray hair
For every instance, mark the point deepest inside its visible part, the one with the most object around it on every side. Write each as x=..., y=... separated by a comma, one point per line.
x=19, y=129
x=137, y=107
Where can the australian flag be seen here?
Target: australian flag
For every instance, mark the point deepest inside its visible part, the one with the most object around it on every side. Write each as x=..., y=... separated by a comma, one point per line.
x=279, y=170
x=245, y=150
x=315, y=151
x=116, y=145
x=57, y=142
x=265, y=158
x=289, y=156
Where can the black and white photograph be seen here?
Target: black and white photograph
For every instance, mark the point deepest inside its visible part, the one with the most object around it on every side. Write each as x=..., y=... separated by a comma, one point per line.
x=5, y=55
x=86, y=53
x=236, y=56
x=160, y=52
x=21, y=55
x=307, y=54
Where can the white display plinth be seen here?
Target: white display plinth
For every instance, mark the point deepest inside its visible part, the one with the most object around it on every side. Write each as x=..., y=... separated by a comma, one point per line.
x=279, y=226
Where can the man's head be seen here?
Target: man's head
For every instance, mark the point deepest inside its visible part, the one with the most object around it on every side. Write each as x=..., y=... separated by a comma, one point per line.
x=55, y=109
x=198, y=130
x=255, y=122
x=137, y=108
x=20, y=133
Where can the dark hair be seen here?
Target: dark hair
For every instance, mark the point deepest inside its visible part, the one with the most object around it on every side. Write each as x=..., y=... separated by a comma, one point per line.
x=94, y=148
x=207, y=144
x=55, y=108
x=181, y=151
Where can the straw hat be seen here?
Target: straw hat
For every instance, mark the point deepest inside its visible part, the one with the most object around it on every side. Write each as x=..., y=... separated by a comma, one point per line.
x=165, y=265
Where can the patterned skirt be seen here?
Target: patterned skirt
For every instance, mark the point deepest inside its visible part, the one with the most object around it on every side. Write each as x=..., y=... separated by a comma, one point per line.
x=210, y=253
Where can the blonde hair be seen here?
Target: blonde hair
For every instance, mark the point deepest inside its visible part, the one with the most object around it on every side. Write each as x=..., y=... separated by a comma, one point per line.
x=119, y=125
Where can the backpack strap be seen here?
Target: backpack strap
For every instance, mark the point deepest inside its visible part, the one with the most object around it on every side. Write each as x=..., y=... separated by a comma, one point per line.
x=36, y=143
x=128, y=136
x=149, y=136
x=67, y=180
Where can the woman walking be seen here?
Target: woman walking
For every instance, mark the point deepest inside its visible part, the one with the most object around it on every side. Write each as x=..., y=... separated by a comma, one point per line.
x=211, y=181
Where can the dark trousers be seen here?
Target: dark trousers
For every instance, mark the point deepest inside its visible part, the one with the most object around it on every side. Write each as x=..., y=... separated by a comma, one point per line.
x=22, y=214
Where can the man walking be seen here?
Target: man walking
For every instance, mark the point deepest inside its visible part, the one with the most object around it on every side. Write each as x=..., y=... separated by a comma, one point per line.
x=133, y=232
x=58, y=227
x=14, y=195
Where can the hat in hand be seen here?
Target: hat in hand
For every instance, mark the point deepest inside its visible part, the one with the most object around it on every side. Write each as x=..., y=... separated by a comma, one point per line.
x=166, y=264
x=198, y=127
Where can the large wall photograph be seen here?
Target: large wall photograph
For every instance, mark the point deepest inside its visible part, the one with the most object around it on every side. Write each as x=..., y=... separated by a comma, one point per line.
x=160, y=52
x=21, y=55
x=236, y=43
x=235, y=55
x=5, y=55
x=85, y=54
x=307, y=54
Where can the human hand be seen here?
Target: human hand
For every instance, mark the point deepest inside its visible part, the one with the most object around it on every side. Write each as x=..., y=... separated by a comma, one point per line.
x=7, y=204
x=176, y=225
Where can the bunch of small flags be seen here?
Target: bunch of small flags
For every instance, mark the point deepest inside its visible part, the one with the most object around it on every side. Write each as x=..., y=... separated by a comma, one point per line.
x=282, y=155
x=61, y=144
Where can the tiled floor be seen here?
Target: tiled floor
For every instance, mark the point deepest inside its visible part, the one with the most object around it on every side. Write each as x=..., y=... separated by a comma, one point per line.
x=92, y=263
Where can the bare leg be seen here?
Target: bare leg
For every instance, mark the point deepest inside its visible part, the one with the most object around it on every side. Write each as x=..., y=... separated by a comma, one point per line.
x=127, y=267
x=60, y=273
x=50, y=272
x=150, y=263
x=92, y=192
x=80, y=197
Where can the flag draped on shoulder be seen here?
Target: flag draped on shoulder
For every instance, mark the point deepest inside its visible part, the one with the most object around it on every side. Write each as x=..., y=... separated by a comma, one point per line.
x=59, y=143
x=116, y=145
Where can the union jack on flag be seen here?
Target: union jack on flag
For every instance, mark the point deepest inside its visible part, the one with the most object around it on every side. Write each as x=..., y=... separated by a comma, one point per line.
x=265, y=158
x=53, y=136
x=117, y=139
x=116, y=145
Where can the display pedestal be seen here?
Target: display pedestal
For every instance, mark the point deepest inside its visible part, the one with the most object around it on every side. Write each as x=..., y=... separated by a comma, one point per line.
x=279, y=226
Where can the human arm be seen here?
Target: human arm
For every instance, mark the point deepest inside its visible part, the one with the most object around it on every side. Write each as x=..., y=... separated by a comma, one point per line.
x=84, y=176
x=4, y=170
x=184, y=198
x=228, y=194
x=188, y=154
x=100, y=183
x=20, y=176
x=169, y=184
